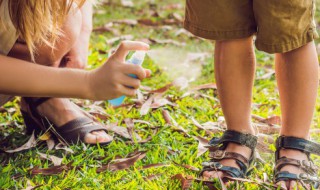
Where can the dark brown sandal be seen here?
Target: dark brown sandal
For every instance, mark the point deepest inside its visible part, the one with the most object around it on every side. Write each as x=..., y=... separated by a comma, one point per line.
x=70, y=133
x=310, y=171
x=217, y=148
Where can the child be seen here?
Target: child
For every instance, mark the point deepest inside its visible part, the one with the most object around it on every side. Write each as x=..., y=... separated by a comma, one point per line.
x=56, y=34
x=287, y=29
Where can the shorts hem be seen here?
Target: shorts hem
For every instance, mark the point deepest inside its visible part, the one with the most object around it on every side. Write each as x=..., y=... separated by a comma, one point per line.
x=286, y=47
x=217, y=35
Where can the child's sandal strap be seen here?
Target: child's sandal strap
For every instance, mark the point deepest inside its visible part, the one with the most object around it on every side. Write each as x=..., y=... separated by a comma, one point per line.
x=247, y=140
x=309, y=175
x=217, y=153
x=298, y=144
x=216, y=166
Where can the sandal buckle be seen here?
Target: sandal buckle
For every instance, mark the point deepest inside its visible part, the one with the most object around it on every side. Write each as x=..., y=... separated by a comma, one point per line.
x=218, y=154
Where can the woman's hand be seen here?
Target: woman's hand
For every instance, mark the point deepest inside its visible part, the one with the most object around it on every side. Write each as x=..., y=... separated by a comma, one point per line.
x=111, y=80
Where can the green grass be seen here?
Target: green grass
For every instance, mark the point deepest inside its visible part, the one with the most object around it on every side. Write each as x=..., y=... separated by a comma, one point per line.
x=202, y=109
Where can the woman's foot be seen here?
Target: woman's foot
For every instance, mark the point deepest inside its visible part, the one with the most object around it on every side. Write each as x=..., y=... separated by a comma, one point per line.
x=61, y=111
x=231, y=147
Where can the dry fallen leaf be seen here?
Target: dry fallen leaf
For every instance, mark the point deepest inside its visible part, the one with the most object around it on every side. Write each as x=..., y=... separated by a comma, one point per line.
x=130, y=128
x=169, y=120
x=153, y=176
x=202, y=145
x=155, y=166
x=186, y=182
x=55, y=160
x=205, y=86
x=147, y=104
x=187, y=166
x=62, y=146
x=122, y=131
x=29, y=144
x=51, y=170
x=273, y=120
x=121, y=164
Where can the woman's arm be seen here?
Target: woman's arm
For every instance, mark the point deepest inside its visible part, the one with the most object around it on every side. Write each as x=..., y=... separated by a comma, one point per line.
x=19, y=77
x=109, y=81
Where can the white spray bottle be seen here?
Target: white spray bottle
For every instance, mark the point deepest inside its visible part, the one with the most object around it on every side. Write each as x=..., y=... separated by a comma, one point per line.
x=137, y=59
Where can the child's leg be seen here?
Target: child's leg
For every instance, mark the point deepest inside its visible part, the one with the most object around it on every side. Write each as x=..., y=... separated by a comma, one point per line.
x=234, y=72
x=297, y=76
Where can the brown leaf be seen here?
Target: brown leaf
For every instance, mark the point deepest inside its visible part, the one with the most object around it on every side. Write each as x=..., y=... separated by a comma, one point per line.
x=50, y=143
x=169, y=120
x=273, y=120
x=122, y=131
x=62, y=146
x=202, y=145
x=51, y=170
x=161, y=102
x=29, y=144
x=130, y=128
x=55, y=160
x=122, y=164
x=266, y=129
x=187, y=166
x=186, y=182
x=162, y=89
x=142, y=122
x=155, y=166
x=205, y=86
x=153, y=176
x=147, y=105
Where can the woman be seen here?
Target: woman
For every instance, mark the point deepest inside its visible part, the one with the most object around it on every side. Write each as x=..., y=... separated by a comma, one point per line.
x=55, y=35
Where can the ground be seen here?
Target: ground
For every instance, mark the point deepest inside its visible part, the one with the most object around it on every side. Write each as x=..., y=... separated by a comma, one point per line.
x=176, y=56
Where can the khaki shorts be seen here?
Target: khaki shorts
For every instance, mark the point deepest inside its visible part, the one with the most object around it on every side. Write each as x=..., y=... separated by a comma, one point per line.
x=280, y=25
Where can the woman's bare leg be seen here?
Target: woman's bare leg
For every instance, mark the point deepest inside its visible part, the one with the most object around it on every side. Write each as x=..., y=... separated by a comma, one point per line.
x=234, y=72
x=297, y=76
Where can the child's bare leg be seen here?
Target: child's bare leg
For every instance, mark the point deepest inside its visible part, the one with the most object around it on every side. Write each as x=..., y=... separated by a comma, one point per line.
x=297, y=76
x=234, y=72
x=58, y=110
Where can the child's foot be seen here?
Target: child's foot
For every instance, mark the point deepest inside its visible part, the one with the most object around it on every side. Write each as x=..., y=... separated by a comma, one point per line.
x=295, y=154
x=61, y=111
x=231, y=147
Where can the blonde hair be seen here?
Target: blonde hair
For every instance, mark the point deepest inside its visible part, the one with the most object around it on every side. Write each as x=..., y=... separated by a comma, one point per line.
x=37, y=21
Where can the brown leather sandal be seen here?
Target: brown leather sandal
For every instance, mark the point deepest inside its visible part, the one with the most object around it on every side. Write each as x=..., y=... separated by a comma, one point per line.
x=310, y=171
x=217, y=150
x=70, y=133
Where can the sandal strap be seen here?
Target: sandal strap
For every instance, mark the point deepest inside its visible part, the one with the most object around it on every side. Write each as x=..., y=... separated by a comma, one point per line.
x=310, y=175
x=306, y=165
x=216, y=166
x=77, y=129
x=298, y=144
x=219, y=155
x=247, y=140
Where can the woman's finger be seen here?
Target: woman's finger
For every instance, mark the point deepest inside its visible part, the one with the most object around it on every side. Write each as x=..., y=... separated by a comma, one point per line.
x=131, y=82
x=126, y=46
x=135, y=70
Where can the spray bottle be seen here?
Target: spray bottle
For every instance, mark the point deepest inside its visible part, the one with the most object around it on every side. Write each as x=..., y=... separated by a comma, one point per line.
x=137, y=58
